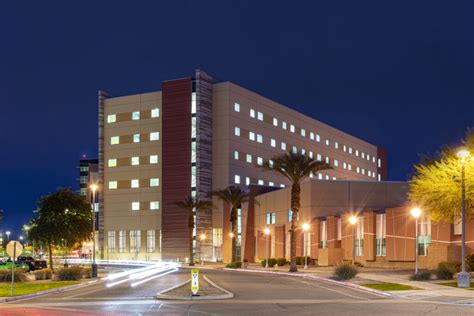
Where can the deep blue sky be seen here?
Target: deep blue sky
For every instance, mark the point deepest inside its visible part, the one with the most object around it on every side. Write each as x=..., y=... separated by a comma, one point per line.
x=395, y=73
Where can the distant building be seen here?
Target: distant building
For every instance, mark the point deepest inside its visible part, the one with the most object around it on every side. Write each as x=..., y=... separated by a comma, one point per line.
x=88, y=174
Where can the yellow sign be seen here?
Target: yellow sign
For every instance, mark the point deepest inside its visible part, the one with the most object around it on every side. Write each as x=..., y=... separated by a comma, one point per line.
x=195, y=281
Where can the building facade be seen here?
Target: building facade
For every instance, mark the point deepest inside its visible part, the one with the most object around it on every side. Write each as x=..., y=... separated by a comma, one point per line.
x=194, y=136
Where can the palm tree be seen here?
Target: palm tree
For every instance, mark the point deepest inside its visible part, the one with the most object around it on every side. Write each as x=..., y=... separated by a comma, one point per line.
x=296, y=168
x=234, y=196
x=192, y=205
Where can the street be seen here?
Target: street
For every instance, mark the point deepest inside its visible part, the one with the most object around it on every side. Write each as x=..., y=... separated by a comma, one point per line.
x=255, y=294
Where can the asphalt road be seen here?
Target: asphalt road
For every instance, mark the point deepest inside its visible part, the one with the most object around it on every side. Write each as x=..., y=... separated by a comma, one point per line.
x=255, y=294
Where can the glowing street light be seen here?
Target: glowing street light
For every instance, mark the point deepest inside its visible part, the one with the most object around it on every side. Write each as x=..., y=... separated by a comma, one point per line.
x=416, y=212
x=306, y=227
x=8, y=235
x=266, y=231
x=202, y=237
x=93, y=188
x=353, y=222
x=231, y=235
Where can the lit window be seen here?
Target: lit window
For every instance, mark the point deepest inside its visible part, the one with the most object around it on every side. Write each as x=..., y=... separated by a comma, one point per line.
x=153, y=159
x=252, y=136
x=193, y=103
x=271, y=184
x=154, y=205
x=236, y=155
x=122, y=240
x=150, y=240
x=155, y=112
x=237, y=179
x=318, y=138
x=135, y=183
x=368, y=157
x=154, y=182
x=273, y=142
x=379, y=163
x=112, y=185
x=111, y=118
x=283, y=125
x=344, y=148
x=294, y=149
x=336, y=163
x=247, y=180
x=282, y=185
x=292, y=128
x=112, y=163
x=270, y=163
x=236, y=131
x=369, y=173
x=114, y=140
x=327, y=160
x=236, y=107
x=260, y=182
x=249, y=158
x=260, y=116
x=311, y=136
x=379, y=178
x=363, y=171
x=275, y=121
x=283, y=146
x=358, y=169
x=334, y=178
x=303, y=151
x=154, y=136
x=320, y=176
x=135, y=206
x=259, y=138
x=349, y=166
x=111, y=241
x=357, y=153
x=336, y=145
x=344, y=165
x=135, y=115
x=350, y=150
x=252, y=113
x=260, y=161
x=303, y=132
x=327, y=142
x=327, y=177
x=318, y=157
x=373, y=159
x=136, y=138
x=135, y=240
x=362, y=155
x=311, y=155
x=135, y=161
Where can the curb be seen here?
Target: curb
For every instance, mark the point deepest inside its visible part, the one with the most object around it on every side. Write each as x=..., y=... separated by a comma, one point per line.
x=56, y=290
x=349, y=285
x=163, y=296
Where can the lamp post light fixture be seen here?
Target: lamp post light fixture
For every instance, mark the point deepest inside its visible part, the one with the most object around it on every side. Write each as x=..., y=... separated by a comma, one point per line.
x=266, y=231
x=306, y=227
x=416, y=212
x=463, y=276
x=93, y=188
x=8, y=235
x=202, y=237
x=353, y=222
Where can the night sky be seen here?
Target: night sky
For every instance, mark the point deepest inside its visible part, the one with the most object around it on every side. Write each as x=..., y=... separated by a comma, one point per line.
x=394, y=73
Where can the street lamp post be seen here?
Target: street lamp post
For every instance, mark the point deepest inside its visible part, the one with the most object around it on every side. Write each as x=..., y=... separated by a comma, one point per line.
x=416, y=212
x=305, y=244
x=8, y=235
x=463, y=276
x=93, y=188
x=353, y=222
x=202, y=237
x=266, y=231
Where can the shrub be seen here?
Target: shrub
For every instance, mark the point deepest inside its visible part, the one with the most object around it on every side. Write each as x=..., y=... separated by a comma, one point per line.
x=43, y=274
x=234, y=265
x=70, y=274
x=87, y=273
x=445, y=270
x=6, y=275
x=271, y=262
x=422, y=275
x=345, y=271
x=470, y=262
x=300, y=261
x=281, y=261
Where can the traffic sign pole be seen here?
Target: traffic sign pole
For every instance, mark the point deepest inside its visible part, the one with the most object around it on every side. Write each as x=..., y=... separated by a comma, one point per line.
x=13, y=248
x=13, y=267
x=195, y=281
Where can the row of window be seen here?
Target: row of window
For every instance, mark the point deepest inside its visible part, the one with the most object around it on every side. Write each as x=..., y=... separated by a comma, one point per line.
x=237, y=180
x=316, y=137
x=112, y=118
x=134, y=161
x=134, y=183
x=154, y=205
x=134, y=241
x=154, y=136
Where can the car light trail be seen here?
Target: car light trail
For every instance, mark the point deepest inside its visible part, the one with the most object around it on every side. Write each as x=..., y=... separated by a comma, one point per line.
x=153, y=277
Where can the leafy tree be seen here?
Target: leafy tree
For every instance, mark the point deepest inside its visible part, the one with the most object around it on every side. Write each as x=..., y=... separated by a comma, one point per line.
x=192, y=205
x=234, y=196
x=63, y=218
x=296, y=168
x=436, y=185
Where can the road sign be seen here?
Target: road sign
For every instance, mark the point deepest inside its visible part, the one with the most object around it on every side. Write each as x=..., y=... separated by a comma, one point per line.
x=14, y=249
x=195, y=281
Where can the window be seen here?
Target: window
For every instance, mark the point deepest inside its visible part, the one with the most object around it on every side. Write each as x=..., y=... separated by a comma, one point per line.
x=236, y=131
x=111, y=118
x=362, y=155
x=344, y=148
x=114, y=140
x=112, y=163
x=339, y=229
x=350, y=150
x=457, y=226
x=303, y=151
x=259, y=138
x=311, y=155
x=282, y=185
x=153, y=159
x=357, y=153
x=294, y=149
x=311, y=136
x=236, y=155
x=349, y=166
x=424, y=235
x=283, y=125
x=271, y=184
x=247, y=180
x=252, y=136
x=358, y=169
x=379, y=163
x=237, y=179
x=292, y=128
x=272, y=142
x=336, y=145
x=363, y=171
x=303, y=132
x=260, y=161
x=318, y=138
x=136, y=138
x=290, y=215
x=260, y=116
x=154, y=205
x=155, y=112
x=135, y=161
x=154, y=182
x=380, y=235
x=336, y=163
x=271, y=218
x=260, y=182
x=249, y=158
x=193, y=103
x=154, y=136
x=320, y=176
x=369, y=173
x=122, y=241
x=327, y=159
x=135, y=115
x=283, y=146
x=344, y=165
x=135, y=206
x=193, y=127
x=236, y=107
x=275, y=121
x=150, y=240
x=217, y=237
x=379, y=178
x=323, y=235
x=359, y=240
x=134, y=241
x=270, y=163
x=252, y=113
x=112, y=185
x=327, y=142
x=319, y=157
x=111, y=241
x=368, y=157
x=135, y=183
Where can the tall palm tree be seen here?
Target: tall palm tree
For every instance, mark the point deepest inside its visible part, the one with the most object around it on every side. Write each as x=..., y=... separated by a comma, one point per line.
x=296, y=168
x=234, y=196
x=192, y=205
